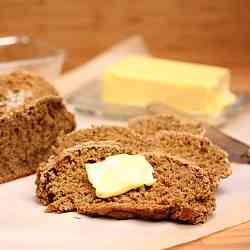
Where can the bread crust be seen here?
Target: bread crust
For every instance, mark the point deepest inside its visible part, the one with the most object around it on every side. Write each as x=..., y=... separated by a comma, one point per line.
x=182, y=192
x=188, y=169
x=29, y=128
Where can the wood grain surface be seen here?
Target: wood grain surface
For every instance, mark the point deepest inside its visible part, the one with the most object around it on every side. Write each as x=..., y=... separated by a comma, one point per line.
x=230, y=239
x=213, y=32
x=205, y=31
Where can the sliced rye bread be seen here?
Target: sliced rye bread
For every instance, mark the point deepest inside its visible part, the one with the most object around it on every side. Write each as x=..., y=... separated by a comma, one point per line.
x=182, y=192
x=193, y=148
x=148, y=125
x=124, y=135
x=132, y=136
x=32, y=116
x=62, y=174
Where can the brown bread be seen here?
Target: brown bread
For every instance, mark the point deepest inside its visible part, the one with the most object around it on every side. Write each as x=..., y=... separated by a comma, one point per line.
x=124, y=135
x=150, y=124
x=188, y=168
x=182, y=192
x=32, y=115
x=193, y=148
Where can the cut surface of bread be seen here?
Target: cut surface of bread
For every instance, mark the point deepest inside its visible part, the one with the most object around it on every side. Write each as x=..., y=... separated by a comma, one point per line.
x=187, y=167
x=150, y=124
x=32, y=116
x=62, y=175
x=182, y=191
x=124, y=135
x=196, y=149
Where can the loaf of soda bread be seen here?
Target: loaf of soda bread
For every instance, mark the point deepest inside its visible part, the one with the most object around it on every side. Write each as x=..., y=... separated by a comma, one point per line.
x=32, y=115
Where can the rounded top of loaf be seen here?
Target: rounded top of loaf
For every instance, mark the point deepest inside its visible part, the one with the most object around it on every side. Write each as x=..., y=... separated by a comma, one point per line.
x=21, y=88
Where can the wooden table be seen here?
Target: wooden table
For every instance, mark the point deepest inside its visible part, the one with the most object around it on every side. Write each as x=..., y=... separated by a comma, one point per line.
x=237, y=237
x=209, y=32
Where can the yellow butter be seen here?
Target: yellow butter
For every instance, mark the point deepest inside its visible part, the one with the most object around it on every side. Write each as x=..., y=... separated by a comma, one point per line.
x=119, y=173
x=186, y=87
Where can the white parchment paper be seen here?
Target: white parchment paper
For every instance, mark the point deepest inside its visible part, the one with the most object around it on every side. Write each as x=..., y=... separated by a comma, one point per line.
x=25, y=226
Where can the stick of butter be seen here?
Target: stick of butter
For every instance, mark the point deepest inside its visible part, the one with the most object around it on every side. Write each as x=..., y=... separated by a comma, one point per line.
x=119, y=173
x=185, y=87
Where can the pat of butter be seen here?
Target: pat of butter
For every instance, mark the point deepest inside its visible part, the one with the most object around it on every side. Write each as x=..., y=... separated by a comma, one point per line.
x=119, y=173
x=186, y=87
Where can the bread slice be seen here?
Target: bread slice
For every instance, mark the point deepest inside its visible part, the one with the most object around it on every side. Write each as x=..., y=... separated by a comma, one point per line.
x=124, y=135
x=132, y=136
x=193, y=148
x=148, y=125
x=182, y=192
x=32, y=116
x=63, y=176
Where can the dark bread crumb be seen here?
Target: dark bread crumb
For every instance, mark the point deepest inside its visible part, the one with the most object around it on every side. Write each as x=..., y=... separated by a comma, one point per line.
x=124, y=135
x=196, y=149
x=148, y=125
x=187, y=165
x=29, y=125
x=63, y=174
x=182, y=192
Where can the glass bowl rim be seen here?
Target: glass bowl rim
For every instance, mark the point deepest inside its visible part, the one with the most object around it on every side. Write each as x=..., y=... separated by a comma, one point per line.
x=23, y=39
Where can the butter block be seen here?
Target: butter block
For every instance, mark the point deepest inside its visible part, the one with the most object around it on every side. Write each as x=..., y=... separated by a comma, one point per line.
x=185, y=87
x=119, y=173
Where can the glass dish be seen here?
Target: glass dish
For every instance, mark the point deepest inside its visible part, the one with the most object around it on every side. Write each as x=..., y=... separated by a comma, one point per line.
x=88, y=100
x=23, y=52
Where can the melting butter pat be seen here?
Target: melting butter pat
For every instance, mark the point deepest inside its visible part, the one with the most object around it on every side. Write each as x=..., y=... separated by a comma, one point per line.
x=186, y=87
x=119, y=173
